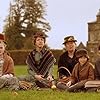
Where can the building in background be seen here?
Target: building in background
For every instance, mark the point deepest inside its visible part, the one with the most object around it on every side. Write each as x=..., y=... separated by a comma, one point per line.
x=93, y=43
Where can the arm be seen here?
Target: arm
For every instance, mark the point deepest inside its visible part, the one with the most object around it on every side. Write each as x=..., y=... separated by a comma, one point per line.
x=35, y=75
x=74, y=76
x=60, y=64
x=8, y=67
x=91, y=73
x=31, y=72
x=97, y=69
x=50, y=77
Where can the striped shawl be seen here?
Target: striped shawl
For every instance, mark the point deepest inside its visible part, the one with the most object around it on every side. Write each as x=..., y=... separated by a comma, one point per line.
x=45, y=63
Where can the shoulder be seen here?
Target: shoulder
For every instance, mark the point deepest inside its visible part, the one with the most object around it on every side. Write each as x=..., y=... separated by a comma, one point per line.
x=76, y=65
x=48, y=51
x=31, y=52
x=7, y=57
x=90, y=65
x=64, y=54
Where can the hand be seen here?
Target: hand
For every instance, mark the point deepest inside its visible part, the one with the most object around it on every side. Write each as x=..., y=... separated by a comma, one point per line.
x=64, y=77
x=39, y=77
x=69, y=83
x=49, y=78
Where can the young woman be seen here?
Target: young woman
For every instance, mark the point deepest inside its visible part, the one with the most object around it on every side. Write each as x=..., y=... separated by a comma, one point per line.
x=40, y=62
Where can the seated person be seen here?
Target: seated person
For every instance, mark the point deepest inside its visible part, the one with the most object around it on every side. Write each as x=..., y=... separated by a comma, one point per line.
x=6, y=67
x=82, y=72
x=67, y=61
x=40, y=63
x=68, y=58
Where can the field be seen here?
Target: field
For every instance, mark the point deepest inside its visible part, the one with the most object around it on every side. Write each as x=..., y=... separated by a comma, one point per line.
x=44, y=94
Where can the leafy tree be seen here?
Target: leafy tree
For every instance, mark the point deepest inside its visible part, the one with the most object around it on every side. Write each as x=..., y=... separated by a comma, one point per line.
x=25, y=18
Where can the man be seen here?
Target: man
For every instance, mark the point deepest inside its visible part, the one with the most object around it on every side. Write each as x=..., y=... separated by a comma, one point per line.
x=40, y=62
x=68, y=59
x=6, y=67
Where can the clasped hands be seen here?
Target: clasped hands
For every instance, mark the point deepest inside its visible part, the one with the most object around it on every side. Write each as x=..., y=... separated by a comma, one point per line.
x=68, y=83
x=41, y=77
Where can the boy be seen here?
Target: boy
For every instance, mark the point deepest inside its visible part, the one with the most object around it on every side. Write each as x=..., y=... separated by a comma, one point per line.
x=7, y=78
x=66, y=61
x=82, y=72
x=6, y=62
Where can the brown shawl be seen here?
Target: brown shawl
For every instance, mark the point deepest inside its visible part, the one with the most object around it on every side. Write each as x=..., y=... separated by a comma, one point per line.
x=45, y=63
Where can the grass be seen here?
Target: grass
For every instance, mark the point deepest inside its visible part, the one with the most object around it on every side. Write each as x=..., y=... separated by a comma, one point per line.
x=44, y=94
x=20, y=70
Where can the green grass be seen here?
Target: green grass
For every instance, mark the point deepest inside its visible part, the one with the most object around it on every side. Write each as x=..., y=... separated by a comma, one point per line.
x=44, y=94
x=20, y=70
x=47, y=94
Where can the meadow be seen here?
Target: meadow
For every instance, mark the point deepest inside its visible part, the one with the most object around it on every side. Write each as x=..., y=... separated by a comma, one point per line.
x=44, y=94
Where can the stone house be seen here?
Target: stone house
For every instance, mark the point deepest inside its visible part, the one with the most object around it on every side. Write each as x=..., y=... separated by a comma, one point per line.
x=93, y=43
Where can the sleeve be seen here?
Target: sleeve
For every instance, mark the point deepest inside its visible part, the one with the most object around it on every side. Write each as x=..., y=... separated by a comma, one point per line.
x=31, y=72
x=8, y=66
x=97, y=69
x=59, y=65
x=60, y=62
x=91, y=73
x=74, y=75
x=51, y=70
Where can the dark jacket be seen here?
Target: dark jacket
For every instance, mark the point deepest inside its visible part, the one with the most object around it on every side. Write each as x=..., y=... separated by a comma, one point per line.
x=67, y=62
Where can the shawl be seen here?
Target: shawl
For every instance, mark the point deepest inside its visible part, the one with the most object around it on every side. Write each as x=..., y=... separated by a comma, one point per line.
x=42, y=68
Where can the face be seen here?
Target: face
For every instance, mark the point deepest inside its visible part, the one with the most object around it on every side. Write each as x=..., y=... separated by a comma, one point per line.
x=82, y=60
x=70, y=46
x=39, y=42
x=2, y=49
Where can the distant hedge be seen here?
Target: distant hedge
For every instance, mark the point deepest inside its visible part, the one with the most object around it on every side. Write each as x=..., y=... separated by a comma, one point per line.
x=19, y=56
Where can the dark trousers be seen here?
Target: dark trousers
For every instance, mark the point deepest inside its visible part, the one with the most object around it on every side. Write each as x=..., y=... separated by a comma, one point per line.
x=62, y=86
x=78, y=86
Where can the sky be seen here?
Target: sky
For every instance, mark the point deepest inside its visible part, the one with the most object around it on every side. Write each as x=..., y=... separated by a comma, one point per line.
x=66, y=17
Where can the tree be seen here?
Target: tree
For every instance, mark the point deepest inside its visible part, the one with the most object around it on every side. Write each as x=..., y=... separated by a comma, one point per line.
x=25, y=17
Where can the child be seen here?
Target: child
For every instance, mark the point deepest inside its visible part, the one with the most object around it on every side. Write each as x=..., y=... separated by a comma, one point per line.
x=6, y=62
x=82, y=72
x=6, y=67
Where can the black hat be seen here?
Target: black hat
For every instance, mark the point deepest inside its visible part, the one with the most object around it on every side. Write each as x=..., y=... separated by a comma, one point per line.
x=82, y=52
x=69, y=39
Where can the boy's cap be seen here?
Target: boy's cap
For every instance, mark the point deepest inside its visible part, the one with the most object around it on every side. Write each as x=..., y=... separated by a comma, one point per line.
x=69, y=39
x=82, y=52
x=40, y=34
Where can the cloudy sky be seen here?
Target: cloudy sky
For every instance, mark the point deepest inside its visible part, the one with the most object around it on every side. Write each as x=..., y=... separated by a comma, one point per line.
x=66, y=17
